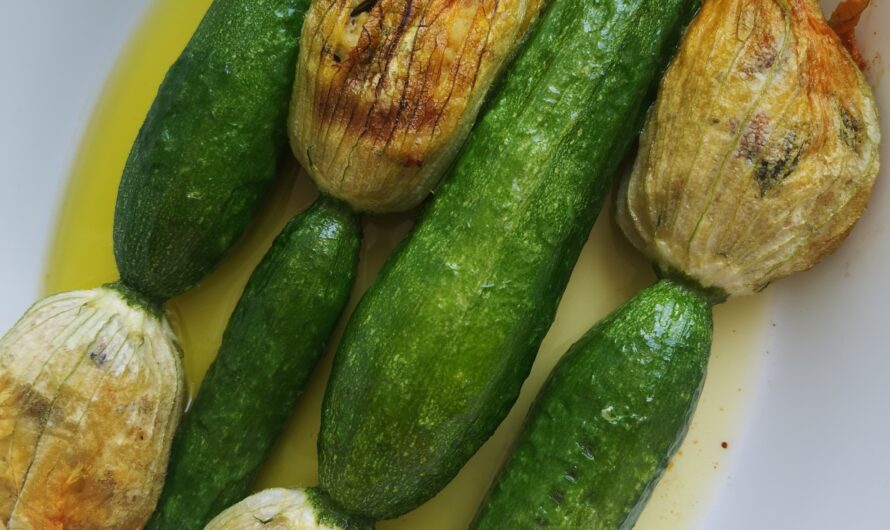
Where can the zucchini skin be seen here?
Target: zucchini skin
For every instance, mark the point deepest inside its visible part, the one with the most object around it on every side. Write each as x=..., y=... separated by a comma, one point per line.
x=438, y=349
x=609, y=418
x=207, y=152
x=276, y=335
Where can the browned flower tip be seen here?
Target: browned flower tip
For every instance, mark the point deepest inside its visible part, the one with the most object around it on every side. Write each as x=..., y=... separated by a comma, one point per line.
x=844, y=21
x=762, y=149
x=91, y=391
x=387, y=90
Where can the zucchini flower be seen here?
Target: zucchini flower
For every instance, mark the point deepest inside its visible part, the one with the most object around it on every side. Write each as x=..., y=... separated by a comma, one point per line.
x=387, y=91
x=90, y=395
x=761, y=152
x=282, y=509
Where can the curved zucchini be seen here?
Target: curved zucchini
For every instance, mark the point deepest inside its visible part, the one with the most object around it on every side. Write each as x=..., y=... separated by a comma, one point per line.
x=207, y=152
x=438, y=349
x=612, y=414
x=275, y=336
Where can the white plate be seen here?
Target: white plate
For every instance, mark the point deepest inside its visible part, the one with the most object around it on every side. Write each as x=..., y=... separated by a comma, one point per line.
x=811, y=448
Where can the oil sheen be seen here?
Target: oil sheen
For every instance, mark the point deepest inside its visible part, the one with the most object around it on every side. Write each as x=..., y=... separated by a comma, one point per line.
x=608, y=273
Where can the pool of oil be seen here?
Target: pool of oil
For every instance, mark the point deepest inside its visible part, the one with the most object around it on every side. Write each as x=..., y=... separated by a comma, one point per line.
x=608, y=273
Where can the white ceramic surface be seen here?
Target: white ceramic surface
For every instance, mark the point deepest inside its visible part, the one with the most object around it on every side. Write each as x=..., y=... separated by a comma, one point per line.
x=812, y=449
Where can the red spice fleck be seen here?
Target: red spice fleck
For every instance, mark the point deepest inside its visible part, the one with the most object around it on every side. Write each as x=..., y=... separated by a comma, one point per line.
x=724, y=445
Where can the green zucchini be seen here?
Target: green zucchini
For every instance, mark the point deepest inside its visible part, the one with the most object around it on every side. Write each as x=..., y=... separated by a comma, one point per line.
x=207, y=153
x=274, y=339
x=437, y=351
x=610, y=417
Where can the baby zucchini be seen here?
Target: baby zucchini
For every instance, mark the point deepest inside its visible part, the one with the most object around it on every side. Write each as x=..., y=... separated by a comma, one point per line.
x=273, y=340
x=207, y=153
x=613, y=408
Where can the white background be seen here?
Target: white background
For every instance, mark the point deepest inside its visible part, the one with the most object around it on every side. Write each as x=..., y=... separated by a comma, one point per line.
x=813, y=450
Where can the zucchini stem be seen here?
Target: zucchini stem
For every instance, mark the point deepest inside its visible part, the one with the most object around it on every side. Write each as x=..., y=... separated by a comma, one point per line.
x=138, y=300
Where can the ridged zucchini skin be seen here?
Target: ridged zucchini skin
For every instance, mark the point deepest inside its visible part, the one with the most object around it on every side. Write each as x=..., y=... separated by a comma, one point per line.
x=436, y=353
x=274, y=339
x=207, y=152
x=609, y=418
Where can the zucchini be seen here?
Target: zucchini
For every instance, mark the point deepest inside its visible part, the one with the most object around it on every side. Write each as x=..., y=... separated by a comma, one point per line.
x=609, y=418
x=753, y=165
x=436, y=353
x=273, y=341
x=207, y=152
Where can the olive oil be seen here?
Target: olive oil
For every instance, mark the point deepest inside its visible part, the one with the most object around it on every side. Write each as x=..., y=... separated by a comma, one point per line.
x=608, y=273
